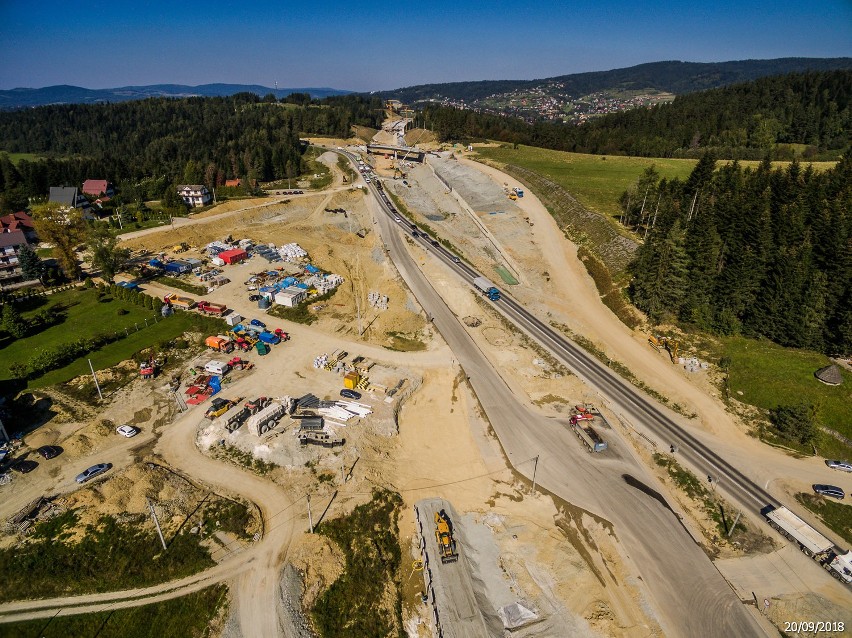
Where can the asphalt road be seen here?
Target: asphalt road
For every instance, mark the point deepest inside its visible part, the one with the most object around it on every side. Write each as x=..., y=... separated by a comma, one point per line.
x=690, y=595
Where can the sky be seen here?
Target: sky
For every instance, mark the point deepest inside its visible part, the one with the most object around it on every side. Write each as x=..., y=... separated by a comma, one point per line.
x=372, y=45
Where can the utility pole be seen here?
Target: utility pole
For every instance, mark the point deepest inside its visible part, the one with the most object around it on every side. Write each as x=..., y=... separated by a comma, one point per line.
x=156, y=523
x=535, y=470
x=95, y=377
x=310, y=518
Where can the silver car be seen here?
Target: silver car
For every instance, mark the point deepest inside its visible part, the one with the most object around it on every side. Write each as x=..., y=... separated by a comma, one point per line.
x=92, y=472
x=843, y=466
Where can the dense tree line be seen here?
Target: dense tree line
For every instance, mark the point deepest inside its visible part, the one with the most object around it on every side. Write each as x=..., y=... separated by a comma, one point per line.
x=744, y=121
x=160, y=141
x=759, y=252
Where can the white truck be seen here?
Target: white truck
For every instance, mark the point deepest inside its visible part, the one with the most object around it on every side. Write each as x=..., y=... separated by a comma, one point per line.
x=811, y=542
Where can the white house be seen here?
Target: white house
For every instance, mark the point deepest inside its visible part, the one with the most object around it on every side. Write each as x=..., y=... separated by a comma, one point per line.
x=195, y=194
x=291, y=296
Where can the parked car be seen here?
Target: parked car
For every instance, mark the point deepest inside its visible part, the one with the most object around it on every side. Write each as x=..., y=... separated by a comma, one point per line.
x=127, y=430
x=843, y=466
x=92, y=472
x=49, y=451
x=258, y=323
x=829, y=490
x=24, y=466
x=346, y=393
x=254, y=297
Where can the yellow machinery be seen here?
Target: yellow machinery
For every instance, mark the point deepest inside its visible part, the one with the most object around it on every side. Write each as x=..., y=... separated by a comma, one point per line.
x=444, y=536
x=670, y=345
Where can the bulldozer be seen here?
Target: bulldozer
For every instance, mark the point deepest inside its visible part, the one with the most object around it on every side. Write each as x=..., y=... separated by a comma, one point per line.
x=444, y=537
x=670, y=345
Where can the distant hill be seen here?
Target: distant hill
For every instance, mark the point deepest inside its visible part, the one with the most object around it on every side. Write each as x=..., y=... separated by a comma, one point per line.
x=669, y=77
x=66, y=94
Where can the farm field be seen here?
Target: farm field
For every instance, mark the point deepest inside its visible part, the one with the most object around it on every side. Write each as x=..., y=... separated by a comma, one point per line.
x=598, y=181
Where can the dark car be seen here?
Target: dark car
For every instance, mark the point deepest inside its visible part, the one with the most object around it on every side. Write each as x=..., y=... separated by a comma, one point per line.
x=829, y=490
x=92, y=472
x=350, y=394
x=434, y=242
x=24, y=466
x=254, y=297
x=258, y=323
x=49, y=451
x=456, y=260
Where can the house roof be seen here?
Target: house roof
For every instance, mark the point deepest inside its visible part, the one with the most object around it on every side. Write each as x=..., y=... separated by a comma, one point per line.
x=16, y=221
x=12, y=238
x=194, y=187
x=233, y=182
x=95, y=186
x=830, y=375
x=65, y=195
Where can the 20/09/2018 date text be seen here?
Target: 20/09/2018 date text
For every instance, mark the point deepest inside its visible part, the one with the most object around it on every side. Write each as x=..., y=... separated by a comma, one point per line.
x=815, y=626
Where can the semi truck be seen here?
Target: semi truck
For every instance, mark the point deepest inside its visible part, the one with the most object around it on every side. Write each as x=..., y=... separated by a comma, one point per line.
x=587, y=434
x=811, y=542
x=487, y=288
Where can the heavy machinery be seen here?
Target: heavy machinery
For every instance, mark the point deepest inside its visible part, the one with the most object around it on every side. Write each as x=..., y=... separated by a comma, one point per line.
x=670, y=345
x=218, y=407
x=444, y=537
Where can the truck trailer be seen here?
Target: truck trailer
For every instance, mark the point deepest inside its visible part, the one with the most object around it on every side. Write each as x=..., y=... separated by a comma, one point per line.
x=587, y=434
x=266, y=419
x=487, y=288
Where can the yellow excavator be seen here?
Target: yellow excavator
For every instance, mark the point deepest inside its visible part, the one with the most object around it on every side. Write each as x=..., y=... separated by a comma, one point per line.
x=444, y=536
x=670, y=345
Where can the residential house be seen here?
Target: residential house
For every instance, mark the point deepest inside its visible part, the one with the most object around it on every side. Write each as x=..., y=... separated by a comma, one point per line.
x=19, y=221
x=98, y=187
x=10, y=244
x=70, y=197
x=195, y=194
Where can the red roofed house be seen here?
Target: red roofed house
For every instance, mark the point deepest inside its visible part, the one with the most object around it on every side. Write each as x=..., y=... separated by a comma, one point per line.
x=233, y=183
x=97, y=187
x=234, y=256
x=16, y=231
x=19, y=221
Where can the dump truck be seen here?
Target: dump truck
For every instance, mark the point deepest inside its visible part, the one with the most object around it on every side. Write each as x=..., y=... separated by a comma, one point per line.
x=586, y=433
x=184, y=303
x=487, y=288
x=266, y=419
x=320, y=438
x=444, y=537
x=218, y=407
x=219, y=344
x=209, y=308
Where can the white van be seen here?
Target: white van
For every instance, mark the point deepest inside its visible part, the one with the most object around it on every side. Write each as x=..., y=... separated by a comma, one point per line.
x=217, y=367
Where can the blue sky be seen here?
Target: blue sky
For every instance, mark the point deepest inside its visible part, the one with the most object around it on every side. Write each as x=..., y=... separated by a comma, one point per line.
x=384, y=45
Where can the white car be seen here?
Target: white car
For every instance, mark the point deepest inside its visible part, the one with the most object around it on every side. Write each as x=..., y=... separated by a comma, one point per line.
x=127, y=430
x=843, y=466
x=399, y=219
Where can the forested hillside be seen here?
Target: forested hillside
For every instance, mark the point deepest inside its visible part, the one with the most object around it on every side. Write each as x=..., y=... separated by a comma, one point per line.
x=744, y=121
x=197, y=140
x=756, y=252
x=670, y=76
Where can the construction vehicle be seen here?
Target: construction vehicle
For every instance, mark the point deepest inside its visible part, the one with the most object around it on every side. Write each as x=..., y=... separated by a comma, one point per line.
x=180, y=248
x=670, y=345
x=513, y=196
x=811, y=542
x=218, y=407
x=444, y=537
x=282, y=335
x=586, y=433
x=219, y=344
x=487, y=288
x=148, y=369
x=184, y=303
x=262, y=349
x=240, y=364
x=209, y=308
x=320, y=438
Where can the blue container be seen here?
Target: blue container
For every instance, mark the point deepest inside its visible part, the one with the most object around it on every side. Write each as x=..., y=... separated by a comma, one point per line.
x=263, y=303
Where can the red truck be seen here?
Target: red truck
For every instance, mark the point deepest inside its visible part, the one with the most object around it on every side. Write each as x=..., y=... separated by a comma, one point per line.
x=209, y=308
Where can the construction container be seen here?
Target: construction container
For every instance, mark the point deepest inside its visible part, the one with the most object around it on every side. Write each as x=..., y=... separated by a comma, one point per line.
x=263, y=303
x=351, y=380
x=262, y=348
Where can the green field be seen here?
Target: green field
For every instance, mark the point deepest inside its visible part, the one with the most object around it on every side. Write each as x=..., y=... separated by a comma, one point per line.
x=837, y=516
x=184, y=617
x=598, y=181
x=17, y=157
x=769, y=375
x=86, y=316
